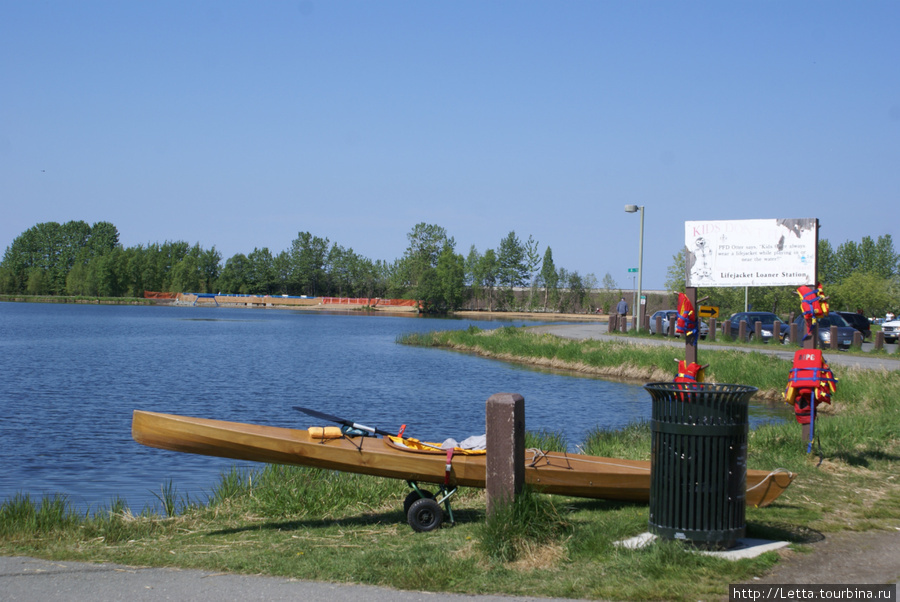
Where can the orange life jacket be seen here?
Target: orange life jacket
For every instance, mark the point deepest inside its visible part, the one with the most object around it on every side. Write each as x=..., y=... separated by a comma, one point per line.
x=810, y=378
x=687, y=319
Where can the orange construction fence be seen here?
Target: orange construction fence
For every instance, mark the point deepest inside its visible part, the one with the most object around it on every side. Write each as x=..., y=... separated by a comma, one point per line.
x=154, y=295
x=370, y=301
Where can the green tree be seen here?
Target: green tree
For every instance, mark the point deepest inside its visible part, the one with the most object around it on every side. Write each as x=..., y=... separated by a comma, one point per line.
x=235, y=276
x=104, y=237
x=675, y=273
x=339, y=267
x=487, y=274
x=7, y=280
x=54, y=250
x=532, y=265
x=549, y=276
x=847, y=260
x=185, y=275
x=442, y=289
x=262, y=278
x=210, y=264
x=283, y=273
x=309, y=254
x=426, y=242
x=863, y=291
x=879, y=257
x=108, y=273
x=513, y=266
x=473, y=260
x=38, y=283
x=826, y=262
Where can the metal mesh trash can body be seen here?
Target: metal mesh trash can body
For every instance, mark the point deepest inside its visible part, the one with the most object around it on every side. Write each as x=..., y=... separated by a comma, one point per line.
x=698, y=468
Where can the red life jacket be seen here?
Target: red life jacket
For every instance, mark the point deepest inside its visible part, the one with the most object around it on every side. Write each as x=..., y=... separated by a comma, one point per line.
x=810, y=378
x=688, y=375
x=687, y=319
x=813, y=304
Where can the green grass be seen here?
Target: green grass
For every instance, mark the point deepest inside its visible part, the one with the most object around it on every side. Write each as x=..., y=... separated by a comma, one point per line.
x=77, y=299
x=315, y=524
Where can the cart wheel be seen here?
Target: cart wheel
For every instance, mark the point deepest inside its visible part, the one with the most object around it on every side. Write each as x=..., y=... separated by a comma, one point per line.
x=413, y=496
x=425, y=515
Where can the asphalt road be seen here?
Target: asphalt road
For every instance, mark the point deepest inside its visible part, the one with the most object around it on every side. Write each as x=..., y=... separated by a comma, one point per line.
x=598, y=330
x=33, y=580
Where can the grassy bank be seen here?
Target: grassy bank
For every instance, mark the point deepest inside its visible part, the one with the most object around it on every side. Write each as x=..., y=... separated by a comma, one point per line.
x=314, y=524
x=77, y=299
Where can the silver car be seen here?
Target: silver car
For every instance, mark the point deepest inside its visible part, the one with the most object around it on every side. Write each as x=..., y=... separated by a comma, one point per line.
x=670, y=315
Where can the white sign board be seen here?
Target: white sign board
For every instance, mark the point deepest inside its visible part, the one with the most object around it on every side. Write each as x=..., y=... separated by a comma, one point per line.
x=753, y=252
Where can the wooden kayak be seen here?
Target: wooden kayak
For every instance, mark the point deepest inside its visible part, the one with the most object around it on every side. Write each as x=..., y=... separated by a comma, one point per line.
x=560, y=473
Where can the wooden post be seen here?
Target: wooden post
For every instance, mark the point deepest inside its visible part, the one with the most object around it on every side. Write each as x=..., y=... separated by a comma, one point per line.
x=505, y=461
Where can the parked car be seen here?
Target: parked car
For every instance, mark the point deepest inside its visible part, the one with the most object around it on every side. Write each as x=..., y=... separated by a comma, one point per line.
x=767, y=319
x=857, y=321
x=891, y=331
x=844, y=330
x=670, y=315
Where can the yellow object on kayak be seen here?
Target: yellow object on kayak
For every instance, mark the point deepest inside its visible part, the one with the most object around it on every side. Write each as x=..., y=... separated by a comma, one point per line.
x=325, y=432
x=415, y=445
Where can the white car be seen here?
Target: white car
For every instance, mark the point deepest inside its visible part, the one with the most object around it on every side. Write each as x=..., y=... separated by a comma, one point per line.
x=891, y=331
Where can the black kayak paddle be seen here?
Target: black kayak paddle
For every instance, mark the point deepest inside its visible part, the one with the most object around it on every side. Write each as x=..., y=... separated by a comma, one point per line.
x=350, y=423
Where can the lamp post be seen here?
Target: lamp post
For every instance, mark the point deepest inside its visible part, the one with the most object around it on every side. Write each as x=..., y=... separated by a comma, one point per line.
x=639, y=314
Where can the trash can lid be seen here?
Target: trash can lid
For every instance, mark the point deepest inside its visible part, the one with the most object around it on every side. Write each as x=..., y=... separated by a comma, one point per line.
x=700, y=387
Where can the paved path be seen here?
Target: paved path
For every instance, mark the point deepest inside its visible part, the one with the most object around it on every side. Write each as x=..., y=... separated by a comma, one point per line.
x=599, y=331
x=32, y=580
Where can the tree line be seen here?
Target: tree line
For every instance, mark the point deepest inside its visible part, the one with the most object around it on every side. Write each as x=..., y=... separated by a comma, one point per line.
x=78, y=259
x=856, y=276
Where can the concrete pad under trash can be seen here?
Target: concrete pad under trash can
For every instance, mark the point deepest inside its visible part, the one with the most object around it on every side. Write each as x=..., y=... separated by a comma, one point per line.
x=746, y=547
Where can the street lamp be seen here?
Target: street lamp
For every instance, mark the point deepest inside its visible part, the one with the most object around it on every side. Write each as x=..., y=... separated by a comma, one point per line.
x=640, y=311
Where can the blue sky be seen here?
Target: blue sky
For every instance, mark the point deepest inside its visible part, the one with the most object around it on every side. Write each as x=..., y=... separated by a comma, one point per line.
x=239, y=124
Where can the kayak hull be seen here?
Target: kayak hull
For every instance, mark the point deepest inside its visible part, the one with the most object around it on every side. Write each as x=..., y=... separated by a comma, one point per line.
x=559, y=473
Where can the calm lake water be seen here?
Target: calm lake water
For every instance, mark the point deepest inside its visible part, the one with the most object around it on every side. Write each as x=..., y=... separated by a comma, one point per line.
x=70, y=376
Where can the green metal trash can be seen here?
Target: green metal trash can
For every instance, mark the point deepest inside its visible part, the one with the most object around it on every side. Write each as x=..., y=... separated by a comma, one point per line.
x=698, y=467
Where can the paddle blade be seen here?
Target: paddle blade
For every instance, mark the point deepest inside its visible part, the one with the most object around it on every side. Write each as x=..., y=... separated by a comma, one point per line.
x=322, y=415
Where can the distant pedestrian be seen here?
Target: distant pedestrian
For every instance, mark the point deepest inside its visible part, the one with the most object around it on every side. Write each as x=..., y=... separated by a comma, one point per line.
x=622, y=307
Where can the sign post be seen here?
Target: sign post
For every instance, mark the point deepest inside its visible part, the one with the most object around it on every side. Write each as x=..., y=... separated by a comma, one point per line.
x=745, y=253
x=634, y=299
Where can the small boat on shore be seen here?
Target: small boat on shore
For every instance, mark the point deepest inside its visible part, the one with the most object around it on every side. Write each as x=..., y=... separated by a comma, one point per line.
x=559, y=473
